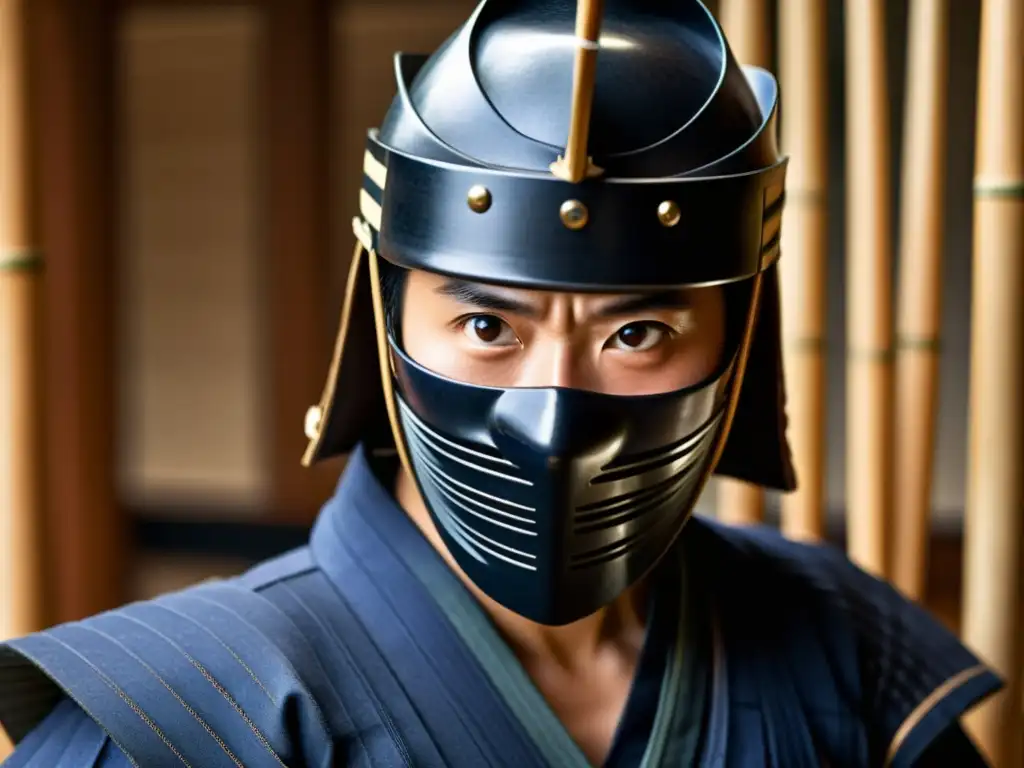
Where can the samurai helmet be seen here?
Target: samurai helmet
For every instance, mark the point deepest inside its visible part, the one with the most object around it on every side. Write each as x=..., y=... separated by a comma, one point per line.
x=572, y=150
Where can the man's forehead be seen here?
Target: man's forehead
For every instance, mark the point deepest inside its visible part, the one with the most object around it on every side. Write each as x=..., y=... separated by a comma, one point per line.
x=530, y=301
x=458, y=287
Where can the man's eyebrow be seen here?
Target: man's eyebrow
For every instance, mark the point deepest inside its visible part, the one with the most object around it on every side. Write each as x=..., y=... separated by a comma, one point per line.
x=481, y=297
x=645, y=302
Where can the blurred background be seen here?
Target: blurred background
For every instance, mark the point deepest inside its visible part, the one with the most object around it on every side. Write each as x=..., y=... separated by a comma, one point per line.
x=195, y=166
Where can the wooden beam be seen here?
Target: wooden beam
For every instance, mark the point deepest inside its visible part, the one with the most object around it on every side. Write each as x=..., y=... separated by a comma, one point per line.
x=74, y=56
x=297, y=261
x=22, y=594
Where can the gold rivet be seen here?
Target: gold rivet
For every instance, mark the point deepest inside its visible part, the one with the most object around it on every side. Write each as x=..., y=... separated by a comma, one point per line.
x=668, y=213
x=574, y=214
x=312, y=422
x=479, y=198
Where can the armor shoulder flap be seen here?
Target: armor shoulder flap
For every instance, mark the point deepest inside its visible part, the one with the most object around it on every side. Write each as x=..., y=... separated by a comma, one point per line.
x=898, y=666
x=210, y=676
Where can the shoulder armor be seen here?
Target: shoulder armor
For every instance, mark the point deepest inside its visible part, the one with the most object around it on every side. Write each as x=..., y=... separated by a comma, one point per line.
x=210, y=676
x=891, y=661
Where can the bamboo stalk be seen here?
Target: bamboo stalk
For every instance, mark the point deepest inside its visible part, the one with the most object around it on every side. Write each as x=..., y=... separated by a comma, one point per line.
x=738, y=502
x=745, y=23
x=21, y=592
x=994, y=521
x=575, y=165
x=803, y=66
x=868, y=286
x=920, y=290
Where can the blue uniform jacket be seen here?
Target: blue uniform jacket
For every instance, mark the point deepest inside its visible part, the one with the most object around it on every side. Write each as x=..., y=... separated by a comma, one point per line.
x=363, y=649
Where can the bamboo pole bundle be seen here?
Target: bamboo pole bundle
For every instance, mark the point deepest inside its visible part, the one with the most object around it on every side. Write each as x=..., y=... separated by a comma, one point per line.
x=994, y=520
x=920, y=290
x=868, y=287
x=21, y=594
x=803, y=67
x=745, y=23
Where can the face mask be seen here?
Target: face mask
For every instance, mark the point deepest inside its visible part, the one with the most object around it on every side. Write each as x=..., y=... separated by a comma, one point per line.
x=553, y=501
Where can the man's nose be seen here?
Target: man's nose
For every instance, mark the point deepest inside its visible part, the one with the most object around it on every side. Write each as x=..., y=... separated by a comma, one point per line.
x=555, y=362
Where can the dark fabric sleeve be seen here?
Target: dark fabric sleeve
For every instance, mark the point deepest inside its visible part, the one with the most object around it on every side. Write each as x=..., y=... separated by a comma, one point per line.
x=181, y=679
x=952, y=747
x=917, y=678
x=67, y=738
x=901, y=676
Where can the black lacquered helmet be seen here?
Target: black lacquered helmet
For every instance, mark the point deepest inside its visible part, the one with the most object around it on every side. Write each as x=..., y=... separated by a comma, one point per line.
x=555, y=500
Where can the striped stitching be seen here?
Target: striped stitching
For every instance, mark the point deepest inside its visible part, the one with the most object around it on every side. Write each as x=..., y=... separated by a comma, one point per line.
x=173, y=692
x=127, y=700
x=230, y=699
x=224, y=645
x=216, y=685
x=231, y=609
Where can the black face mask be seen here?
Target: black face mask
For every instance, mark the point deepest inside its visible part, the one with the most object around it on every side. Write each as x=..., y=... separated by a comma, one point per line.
x=554, y=501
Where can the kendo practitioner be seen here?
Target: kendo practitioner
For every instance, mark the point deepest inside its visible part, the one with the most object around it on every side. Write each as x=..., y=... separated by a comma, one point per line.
x=566, y=273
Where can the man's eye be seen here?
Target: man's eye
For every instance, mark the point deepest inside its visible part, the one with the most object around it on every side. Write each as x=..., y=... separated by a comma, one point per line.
x=639, y=337
x=489, y=330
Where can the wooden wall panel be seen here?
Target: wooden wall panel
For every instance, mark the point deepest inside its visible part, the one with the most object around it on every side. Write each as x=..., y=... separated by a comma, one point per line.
x=366, y=36
x=296, y=259
x=73, y=47
x=191, y=327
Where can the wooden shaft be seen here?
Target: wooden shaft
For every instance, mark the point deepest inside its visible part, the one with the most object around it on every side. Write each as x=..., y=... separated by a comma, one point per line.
x=920, y=290
x=868, y=286
x=745, y=23
x=994, y=524
x=803, y=67
x=575, y=165
x=21, y=516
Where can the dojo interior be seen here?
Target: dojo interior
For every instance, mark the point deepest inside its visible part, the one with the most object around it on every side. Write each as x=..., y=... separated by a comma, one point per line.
x=179, y=177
